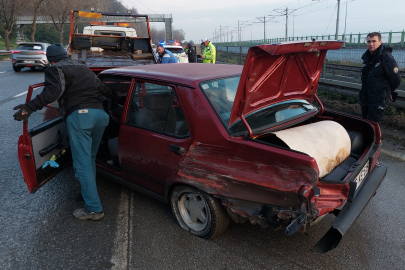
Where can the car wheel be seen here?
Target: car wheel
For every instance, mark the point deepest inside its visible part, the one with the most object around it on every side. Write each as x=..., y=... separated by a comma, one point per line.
x=32, y=68
x=198, y=213
x=17, y=69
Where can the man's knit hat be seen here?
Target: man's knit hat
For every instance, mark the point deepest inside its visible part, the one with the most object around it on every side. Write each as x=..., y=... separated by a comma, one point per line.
x=55, y=53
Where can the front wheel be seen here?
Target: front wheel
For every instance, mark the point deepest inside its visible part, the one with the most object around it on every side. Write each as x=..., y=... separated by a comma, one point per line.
x=198, y=213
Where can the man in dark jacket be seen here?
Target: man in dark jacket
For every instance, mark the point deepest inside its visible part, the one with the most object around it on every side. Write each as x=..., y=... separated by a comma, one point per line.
x=190, y=53
x=380, y=78
x=165, y=56
x=77, y=89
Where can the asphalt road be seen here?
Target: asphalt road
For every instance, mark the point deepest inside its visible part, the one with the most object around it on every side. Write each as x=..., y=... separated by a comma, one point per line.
x=38, y=231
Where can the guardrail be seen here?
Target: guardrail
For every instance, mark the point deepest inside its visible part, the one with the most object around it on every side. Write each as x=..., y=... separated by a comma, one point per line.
x=5, y=52
x=352, y=90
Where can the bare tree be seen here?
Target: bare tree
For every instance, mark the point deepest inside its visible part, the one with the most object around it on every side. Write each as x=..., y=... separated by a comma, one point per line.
x=36, y=5
x=9, y=9
x=59, y=11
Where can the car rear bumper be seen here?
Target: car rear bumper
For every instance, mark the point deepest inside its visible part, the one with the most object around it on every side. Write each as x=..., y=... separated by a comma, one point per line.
x=351, y=211
x=38, y=63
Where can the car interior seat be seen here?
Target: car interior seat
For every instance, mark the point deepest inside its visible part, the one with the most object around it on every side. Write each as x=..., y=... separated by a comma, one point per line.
x=158, y=114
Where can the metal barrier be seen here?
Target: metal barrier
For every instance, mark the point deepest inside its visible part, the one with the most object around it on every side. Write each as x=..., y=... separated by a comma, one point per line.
x=347, y=55
x=352, y=40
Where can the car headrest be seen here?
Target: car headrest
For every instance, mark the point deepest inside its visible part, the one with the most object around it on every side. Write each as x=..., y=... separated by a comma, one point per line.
x=157, y=101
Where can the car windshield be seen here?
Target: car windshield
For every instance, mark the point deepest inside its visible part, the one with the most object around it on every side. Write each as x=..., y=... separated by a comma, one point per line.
x=274, y=115
x=29, y=47
x=175, y=50
x=221, y=93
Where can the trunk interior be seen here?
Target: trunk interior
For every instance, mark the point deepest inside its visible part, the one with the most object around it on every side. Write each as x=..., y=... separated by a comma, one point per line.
x=361, y=136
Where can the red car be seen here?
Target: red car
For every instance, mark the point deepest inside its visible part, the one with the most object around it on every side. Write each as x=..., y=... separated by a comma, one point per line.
x=227, y=142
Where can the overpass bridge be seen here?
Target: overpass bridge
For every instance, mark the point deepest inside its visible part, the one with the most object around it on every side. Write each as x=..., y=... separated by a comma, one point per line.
x=167, y=19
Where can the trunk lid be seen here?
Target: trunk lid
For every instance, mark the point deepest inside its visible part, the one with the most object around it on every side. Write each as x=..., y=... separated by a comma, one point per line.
x=279, y=72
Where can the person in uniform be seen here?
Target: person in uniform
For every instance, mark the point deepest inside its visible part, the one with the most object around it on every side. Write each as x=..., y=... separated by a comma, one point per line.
x=379, y=78
x=209, y=53
x=190, y=53
x=77, y=90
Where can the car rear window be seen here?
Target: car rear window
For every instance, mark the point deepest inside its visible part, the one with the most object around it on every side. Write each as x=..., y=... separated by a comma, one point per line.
x=274, y=115
x=175, y=50
x=30, y=47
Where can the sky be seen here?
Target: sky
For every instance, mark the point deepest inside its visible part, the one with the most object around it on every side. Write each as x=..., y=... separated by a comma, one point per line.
x=201, y=19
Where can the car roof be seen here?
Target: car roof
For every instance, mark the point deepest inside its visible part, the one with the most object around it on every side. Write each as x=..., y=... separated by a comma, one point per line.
x=185, y=74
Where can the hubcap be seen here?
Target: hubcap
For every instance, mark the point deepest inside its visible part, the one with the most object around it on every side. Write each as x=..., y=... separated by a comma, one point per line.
x=193, y=210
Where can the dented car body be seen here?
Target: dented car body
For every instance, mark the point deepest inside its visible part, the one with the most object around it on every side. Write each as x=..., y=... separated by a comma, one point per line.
x=218, y=151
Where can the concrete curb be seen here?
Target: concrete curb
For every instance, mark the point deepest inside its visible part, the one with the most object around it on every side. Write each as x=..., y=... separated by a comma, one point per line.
x=393, y=152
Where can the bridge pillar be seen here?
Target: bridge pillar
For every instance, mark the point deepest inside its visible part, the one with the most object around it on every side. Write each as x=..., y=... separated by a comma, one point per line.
x=20, y=34
x=168, y=28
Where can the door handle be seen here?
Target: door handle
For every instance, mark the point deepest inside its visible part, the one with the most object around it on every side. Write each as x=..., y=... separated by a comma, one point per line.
x=178, y=150
x=51, y=147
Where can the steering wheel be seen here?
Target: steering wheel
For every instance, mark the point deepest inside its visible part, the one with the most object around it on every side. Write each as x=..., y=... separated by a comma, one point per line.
x=114, y=109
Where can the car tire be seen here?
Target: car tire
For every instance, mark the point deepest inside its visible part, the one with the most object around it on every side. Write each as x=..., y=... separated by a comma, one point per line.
x=32, y=68
x=198, y=213
x=17, y=69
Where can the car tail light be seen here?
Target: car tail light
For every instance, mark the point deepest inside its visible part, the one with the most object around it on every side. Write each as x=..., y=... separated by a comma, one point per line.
x=41, y=52
x=15, y=52
x=13, y=60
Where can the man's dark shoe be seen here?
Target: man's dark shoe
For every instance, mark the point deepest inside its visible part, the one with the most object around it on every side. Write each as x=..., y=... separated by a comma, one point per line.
x=84, y=214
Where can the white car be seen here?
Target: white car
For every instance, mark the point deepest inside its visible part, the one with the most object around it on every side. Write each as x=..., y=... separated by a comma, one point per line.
x=178, y=52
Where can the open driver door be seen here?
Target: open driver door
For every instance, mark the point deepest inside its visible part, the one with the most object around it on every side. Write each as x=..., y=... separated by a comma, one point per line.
x=40, y=144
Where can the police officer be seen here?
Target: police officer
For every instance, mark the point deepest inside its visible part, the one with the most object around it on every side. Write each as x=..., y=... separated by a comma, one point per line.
x=165, y=56
x=189, y=49
x=209, y=53
x=379, y=76
x=77, y=89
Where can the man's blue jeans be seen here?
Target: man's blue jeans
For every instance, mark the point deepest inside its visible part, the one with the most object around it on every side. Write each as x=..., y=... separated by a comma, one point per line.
x=85, y=128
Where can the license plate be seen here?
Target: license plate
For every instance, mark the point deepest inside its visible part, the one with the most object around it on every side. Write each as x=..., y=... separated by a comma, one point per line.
x=359, y=179
x=29, y=61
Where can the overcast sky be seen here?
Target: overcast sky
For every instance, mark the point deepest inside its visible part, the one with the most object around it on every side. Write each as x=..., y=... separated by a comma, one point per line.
x=311, y=17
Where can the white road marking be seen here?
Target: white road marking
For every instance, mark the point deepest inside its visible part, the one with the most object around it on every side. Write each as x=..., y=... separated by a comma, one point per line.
x=122, y=250
x=23, y=93
x=3, y=71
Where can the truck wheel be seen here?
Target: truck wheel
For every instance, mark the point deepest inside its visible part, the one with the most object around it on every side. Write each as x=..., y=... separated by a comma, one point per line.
x=17, y=69
x=198, y=213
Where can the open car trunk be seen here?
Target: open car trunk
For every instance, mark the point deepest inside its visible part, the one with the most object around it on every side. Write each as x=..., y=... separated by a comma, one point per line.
x=338, y=143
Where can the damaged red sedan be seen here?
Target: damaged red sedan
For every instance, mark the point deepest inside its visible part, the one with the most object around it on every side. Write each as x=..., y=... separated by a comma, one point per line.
x=224, y=143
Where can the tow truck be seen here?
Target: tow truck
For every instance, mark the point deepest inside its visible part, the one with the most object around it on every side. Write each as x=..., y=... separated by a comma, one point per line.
x=107, y=40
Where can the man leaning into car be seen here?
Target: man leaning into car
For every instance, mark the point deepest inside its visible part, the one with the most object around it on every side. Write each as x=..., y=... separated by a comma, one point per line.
x=379, y=78
x=77, y=89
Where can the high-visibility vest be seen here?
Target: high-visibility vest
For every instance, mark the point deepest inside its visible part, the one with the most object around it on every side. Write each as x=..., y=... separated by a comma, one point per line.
x=209, y=54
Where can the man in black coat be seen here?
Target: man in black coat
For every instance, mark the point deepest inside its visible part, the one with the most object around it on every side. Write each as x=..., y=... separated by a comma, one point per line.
x=77, y=90
x=380, y=78
x=190, y=53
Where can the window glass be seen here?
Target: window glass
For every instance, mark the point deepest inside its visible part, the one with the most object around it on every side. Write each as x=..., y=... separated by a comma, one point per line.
x=156, y=107
x=110, y=33
x=118, y=84
x=221, y=93
x=35, y=47
x=274, y=115
x=175, y=50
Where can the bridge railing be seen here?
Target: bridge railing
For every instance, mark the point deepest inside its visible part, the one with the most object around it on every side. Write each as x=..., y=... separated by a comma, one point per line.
x=352, y=40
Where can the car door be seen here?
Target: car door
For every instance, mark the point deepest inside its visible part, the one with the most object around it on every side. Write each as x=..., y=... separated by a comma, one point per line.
x=155, y=136
x=44, y=150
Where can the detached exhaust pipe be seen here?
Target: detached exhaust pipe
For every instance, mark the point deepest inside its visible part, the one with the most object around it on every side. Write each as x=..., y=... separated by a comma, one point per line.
x=351, y=211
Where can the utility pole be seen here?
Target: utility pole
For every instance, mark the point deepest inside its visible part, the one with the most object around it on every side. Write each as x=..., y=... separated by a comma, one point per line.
x=220, y=34
x=216, y=35
x=238, y=32
x=344, y=32
x=264, y=26
x=285, y=13
x=337, y=20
